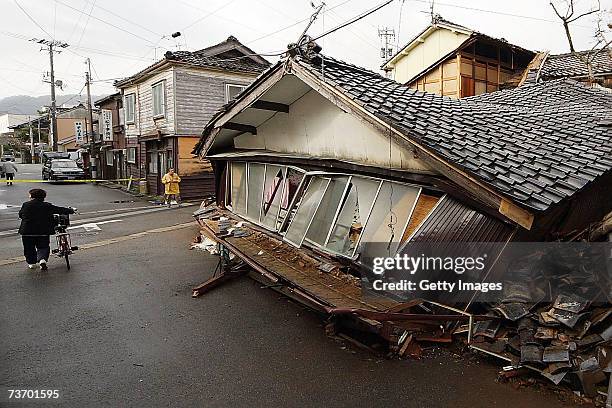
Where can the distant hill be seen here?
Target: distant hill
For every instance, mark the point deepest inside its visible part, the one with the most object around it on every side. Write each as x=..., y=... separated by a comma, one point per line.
x=29, y=105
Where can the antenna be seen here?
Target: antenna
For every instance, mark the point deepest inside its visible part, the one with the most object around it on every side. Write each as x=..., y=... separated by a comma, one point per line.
x=431, y=11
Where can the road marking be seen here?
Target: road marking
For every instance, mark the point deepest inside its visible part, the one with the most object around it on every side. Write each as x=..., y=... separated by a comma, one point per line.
x=115, y=240
x=107, y=217
x=93, y=226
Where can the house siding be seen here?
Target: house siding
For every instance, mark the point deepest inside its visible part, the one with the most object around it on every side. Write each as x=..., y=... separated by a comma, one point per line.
x=144, y=123
x=199, y=94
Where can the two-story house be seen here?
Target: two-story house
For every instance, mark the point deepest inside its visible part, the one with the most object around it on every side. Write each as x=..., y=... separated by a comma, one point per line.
x=452, y=60
x=167, y=104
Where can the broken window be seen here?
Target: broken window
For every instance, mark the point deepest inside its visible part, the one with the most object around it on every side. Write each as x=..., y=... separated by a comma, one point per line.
x=305, y=210
x=272, y=195
x=353, y=215
x=238, y=190
x=324, y=217
x=255, y=190
x=388, y=220
x=291, y=188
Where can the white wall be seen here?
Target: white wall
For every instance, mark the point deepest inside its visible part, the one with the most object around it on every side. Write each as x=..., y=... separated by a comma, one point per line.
x=316, y=127
x=439, y=43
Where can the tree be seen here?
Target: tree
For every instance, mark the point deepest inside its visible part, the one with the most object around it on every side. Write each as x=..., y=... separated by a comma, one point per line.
x=602, y=31
x=569, y=16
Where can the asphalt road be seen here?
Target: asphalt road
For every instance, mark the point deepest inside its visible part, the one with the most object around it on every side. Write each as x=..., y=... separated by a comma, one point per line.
x=88, y=198
x=120, y=329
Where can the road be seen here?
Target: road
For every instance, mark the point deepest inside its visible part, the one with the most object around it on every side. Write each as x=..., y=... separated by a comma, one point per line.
x=120, y=329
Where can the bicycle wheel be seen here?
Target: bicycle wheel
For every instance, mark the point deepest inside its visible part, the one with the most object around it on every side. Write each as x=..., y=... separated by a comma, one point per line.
x=67, y=260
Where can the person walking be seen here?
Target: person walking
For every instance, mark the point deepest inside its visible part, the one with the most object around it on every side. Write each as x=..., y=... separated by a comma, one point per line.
x=37, y=224
x=9, y=169
x=171, y=182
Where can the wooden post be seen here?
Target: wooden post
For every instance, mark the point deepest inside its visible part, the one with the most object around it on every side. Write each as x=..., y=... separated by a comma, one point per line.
x=458, y=76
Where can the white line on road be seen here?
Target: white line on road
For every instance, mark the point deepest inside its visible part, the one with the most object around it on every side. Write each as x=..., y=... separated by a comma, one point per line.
x=108, y=217
x=93, y=226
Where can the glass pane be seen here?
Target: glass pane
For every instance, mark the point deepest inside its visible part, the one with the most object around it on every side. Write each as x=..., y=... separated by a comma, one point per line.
x=383, y=230
x=256, y=179
x=306, y=210
x=324, y=217
x=292, y=181
x=273, y=192
x=239, y=188
x=353, y=215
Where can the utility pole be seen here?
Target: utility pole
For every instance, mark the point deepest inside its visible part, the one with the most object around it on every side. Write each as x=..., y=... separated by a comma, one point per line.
x=49, y=46
x=386, y=36
x=31, y=139
x=90, y=134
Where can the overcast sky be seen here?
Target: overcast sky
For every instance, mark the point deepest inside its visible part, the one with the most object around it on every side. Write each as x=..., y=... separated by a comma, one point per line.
x=122, y=36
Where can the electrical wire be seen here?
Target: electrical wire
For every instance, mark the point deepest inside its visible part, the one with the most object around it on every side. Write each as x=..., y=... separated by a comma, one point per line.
x=206, y=15
x=295, y=23
x=32, y=19
x=104, y=21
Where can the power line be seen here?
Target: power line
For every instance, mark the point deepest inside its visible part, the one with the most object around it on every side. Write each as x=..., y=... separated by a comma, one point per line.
x=501, y=13
x=105, y=22
x=295, y=23
x=32, y=19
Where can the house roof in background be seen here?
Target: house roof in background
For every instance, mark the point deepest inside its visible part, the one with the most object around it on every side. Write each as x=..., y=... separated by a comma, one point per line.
x=440, y=23
x=573, y=65
x=116, y=95
x=229, y=55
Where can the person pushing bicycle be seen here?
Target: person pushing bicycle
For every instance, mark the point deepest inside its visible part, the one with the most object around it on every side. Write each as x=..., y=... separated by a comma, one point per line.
x=37, y=224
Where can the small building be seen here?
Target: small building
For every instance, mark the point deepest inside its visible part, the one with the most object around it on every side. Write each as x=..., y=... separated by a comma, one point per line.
x=117, y=156
x=452, y=60
x=321, y=166
x=67, y=118
x=167, y=104
x=593, y=67
x=7, y=132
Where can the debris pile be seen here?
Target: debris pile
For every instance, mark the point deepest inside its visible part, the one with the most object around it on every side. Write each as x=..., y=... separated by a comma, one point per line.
x=568, y=339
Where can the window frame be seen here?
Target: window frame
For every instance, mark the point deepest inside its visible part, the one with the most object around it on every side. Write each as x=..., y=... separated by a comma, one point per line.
x=227, y=88
x=111, y=156
x=132, y=105
x=161, y=85
x=127, y=156
x=154, y=162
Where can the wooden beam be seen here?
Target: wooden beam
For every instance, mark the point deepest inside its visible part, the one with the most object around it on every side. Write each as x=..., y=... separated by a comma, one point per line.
x=271, y=106
x=240, y=127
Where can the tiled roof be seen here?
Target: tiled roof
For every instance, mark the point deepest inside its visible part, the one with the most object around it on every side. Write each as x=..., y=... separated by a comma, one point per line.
x=574, y=65
x=537, y=144
x=231, y=63
x=230, y=55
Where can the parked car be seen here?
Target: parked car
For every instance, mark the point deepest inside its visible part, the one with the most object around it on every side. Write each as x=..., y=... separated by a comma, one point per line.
x=62, y=169
x=7, y=157
x=46, y=156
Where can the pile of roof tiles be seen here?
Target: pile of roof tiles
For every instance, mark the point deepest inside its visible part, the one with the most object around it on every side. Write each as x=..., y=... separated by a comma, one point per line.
x=567, y=340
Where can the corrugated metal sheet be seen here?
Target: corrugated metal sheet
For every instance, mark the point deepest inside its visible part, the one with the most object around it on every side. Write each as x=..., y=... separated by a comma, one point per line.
x=452, y=221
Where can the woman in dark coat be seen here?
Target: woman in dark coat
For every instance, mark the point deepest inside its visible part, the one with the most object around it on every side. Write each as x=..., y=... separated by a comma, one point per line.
x=37, y=225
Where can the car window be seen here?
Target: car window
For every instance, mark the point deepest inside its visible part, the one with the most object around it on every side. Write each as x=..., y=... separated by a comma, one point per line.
x=63, y=165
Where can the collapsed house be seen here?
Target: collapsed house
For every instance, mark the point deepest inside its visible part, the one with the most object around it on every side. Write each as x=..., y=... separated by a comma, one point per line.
x=318, y=162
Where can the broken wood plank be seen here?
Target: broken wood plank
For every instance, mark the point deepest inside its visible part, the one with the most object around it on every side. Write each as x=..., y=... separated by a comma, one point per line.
x=214, y=281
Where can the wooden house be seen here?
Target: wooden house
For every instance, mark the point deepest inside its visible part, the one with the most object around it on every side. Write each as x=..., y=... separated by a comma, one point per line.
x=167, y=104
x=452, y=60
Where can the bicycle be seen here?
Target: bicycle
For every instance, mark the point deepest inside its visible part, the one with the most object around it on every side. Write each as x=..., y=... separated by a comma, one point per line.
x=64, y=245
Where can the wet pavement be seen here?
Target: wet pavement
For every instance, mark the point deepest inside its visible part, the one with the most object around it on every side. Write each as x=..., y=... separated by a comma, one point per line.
x=120, y=329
